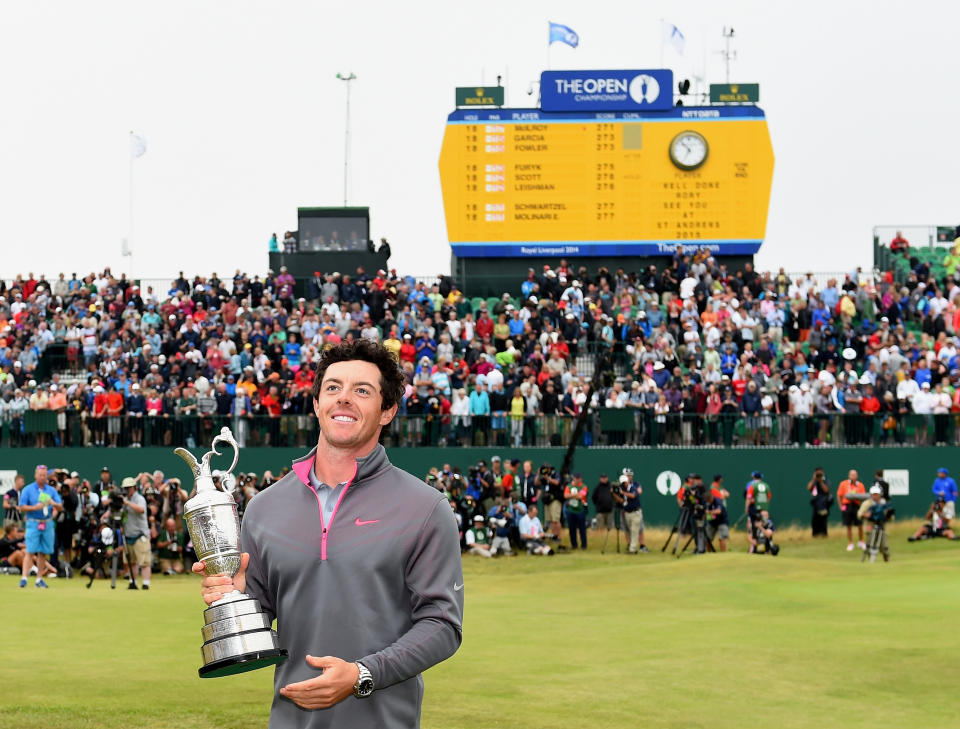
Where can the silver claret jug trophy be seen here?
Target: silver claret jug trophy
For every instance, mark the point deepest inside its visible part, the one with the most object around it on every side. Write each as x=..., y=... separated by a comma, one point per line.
x=237, y=636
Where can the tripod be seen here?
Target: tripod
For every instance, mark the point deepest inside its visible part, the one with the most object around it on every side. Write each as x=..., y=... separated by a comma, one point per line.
x=682, y=526
x=876, y=544
x=617, y=520
x=703, y=544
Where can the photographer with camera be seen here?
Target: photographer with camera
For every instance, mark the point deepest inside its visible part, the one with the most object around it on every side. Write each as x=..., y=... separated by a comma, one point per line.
x=937, y=524
x=104, y=483
x=604, y=503
x=718, y=522
x=551, y=496
x=174, y=497
x=170, y=548
x=136, y=533
x=500, y=520
x=693, y=499
x=67, y=518
x=11, y=500
x=877, y=511
x=630, y=492
x=761, y=535
x=820, y=501
x=487, y=484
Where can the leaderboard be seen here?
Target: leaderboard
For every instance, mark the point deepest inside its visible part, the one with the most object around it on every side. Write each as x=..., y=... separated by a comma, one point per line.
x=526, y=182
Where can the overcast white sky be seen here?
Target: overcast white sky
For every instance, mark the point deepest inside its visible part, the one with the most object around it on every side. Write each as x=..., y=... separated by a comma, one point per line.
x=245, y=119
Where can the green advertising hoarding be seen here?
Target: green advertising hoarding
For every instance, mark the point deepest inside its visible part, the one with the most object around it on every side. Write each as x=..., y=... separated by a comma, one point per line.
x=734, y=93
x=479, y=96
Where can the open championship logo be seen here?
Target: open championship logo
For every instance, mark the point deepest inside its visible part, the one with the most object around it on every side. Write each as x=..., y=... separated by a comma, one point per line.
x=668, y=482
x=644, y=89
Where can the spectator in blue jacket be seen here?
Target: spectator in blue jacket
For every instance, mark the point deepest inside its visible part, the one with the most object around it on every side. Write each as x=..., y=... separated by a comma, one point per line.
x=945, y=486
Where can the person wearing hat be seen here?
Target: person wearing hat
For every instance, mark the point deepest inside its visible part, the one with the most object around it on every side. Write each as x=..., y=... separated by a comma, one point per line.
x=631, y=491
x=477, y=538
x=104, y=483
x=757, y=496
x=873, y=510
x=945, y=486
x=136, y=533
x=39, y=505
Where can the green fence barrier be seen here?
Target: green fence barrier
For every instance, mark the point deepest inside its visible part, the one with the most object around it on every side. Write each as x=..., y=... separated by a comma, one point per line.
x=787, y=470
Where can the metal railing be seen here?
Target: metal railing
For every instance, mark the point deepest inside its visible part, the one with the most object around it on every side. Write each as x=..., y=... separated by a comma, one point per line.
x=605, y=427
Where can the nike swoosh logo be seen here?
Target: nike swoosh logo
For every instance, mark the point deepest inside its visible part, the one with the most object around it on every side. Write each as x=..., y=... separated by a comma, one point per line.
x=364, y=523
x=456, y=587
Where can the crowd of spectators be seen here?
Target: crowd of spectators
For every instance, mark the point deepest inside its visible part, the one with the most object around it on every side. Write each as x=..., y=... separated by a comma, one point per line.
x=501, y=507
x=693, y=354
x=99, y=516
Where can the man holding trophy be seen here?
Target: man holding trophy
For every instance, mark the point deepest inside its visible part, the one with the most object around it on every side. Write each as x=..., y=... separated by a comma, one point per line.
x=357, y=560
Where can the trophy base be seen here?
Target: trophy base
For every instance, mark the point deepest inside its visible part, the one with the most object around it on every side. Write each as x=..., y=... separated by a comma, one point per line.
x=243, y=663
x=237, y=637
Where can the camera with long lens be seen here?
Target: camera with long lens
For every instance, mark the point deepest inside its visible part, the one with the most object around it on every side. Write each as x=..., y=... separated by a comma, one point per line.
x=114, y=504
x=695, y=499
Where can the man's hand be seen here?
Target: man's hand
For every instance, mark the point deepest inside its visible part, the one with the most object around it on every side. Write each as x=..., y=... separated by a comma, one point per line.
x=330, y=687
x=213, y=587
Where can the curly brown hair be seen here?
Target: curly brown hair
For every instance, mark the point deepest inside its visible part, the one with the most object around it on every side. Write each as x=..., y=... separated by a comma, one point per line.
x=392, y=380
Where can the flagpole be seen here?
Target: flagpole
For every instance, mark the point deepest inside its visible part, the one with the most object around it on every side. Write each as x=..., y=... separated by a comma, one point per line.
x=661, y=42
x=130, y=211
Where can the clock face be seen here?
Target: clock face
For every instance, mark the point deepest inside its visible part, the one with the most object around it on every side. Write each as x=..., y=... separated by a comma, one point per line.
x=688, y=150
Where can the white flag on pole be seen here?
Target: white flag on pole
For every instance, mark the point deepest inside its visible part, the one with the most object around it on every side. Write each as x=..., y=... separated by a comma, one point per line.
x=138, y=145
x=673, y=36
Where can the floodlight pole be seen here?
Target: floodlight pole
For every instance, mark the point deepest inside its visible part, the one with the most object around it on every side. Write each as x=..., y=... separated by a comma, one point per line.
x=351, y=76
x=728, y=55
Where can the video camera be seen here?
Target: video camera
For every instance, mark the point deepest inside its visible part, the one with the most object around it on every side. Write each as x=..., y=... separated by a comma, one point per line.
x=880, y=513
x=112, y=500
x=696, y=497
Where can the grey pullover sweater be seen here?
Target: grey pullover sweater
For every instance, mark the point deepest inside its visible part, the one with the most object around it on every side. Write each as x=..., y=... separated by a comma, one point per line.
x=381, y=583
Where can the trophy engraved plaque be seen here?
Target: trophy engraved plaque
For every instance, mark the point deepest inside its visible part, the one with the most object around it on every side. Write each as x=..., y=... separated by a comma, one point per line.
x=237, y=636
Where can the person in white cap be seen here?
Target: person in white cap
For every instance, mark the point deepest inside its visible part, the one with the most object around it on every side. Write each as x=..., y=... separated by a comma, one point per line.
x=477, y=538
x=874, y=511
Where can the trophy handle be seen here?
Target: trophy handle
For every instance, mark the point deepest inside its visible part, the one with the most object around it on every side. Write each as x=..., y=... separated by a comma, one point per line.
x=228, y=481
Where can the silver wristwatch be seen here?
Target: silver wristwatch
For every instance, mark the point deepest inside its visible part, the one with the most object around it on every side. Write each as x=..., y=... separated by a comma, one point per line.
x=364, y=685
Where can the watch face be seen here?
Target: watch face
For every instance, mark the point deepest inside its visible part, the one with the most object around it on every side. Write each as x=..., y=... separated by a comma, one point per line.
x=688, y=150
x=365, y=688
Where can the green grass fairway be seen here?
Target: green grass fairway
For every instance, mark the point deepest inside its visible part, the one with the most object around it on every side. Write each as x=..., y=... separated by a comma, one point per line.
x=812, y=638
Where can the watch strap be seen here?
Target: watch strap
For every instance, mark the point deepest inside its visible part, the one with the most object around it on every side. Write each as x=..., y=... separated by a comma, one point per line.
x=363, y=676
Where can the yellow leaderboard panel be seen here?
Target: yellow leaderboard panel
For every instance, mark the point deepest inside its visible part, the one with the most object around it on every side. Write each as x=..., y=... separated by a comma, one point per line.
x=529, y=183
